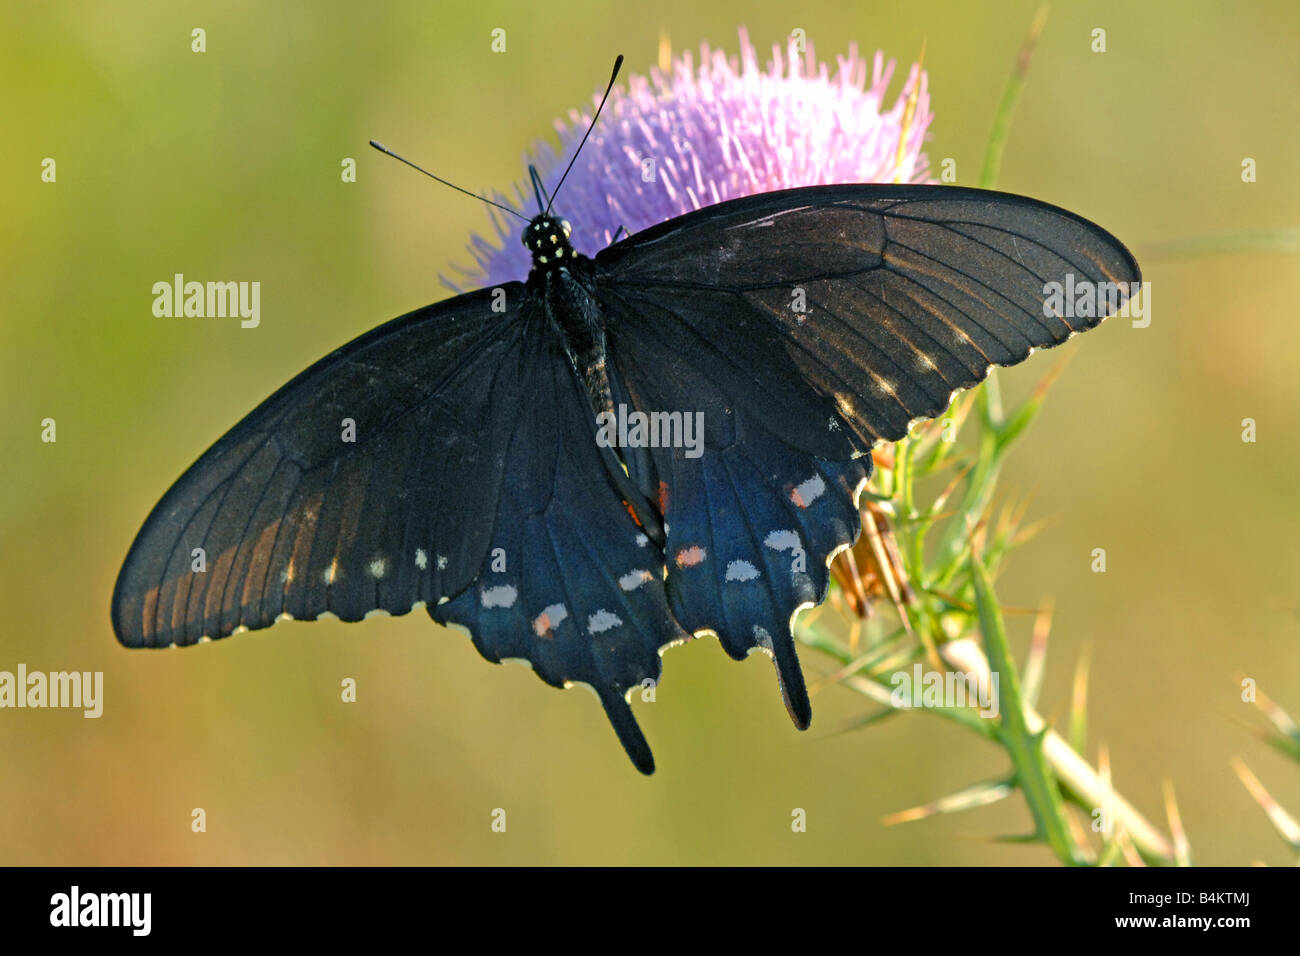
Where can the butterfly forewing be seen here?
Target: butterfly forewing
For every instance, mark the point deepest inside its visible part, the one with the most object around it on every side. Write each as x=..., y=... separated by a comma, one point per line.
x=885, y=298
x=363, y=484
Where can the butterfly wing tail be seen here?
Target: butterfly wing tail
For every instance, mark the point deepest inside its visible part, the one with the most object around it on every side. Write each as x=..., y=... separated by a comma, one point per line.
x=619, y=712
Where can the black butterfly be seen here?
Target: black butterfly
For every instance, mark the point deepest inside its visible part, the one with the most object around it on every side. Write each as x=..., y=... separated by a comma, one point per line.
x=476, y=484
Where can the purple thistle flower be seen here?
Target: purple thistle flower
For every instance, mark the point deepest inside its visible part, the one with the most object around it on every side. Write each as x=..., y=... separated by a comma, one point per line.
x=726, y=130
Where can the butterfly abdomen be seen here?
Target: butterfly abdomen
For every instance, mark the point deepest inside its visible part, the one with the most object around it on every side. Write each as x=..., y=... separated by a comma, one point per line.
x=577, y=317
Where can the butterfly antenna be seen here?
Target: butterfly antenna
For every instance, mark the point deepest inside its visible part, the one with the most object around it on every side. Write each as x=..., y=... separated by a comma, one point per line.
x=384, y=149
x=538, y=189
x=618, y=65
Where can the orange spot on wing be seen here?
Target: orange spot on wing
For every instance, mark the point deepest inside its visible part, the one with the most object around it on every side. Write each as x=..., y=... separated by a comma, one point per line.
x=797, y=498
x=542, y=625
x=690, y=557
x=663, y=497
x=632, y=512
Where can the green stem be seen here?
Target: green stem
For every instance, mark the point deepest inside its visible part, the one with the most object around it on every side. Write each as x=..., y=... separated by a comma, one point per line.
x=1033, y=775
x=1084, y=786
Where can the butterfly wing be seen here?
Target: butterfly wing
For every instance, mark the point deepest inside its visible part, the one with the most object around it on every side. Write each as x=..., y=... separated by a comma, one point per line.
x=360, y=485
x=750, y=520
x=807, y=325
x=569, y=584
x=885, y=298
x=474, y=485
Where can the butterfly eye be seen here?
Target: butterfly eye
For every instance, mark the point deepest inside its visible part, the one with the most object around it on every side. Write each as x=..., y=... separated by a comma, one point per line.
x=568, y=229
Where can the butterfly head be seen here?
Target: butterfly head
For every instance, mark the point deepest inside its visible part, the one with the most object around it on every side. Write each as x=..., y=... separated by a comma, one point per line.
x=547, y=239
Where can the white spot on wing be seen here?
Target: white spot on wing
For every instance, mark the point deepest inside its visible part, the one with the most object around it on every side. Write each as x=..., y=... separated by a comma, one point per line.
x=332, y=572
x=377, y=568
x=421, y=559
x=782, y=540
x=634, y=579
x=503, y=595
x=741, y=570
x=602, y=621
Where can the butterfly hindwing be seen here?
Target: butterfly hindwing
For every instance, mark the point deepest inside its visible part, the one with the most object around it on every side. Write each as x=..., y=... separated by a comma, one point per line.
x=750, y=521
x=568, y=582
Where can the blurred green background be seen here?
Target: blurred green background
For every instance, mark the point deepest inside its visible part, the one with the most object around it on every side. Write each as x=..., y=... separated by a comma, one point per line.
x=226, y=165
